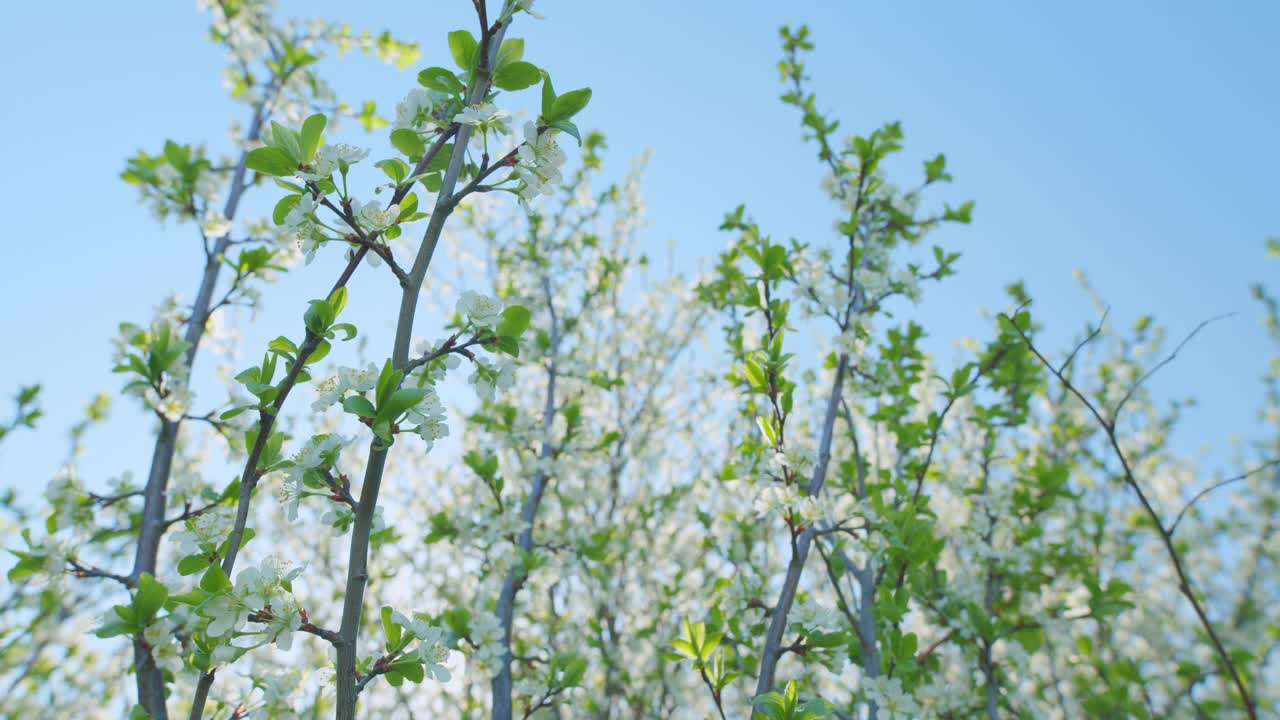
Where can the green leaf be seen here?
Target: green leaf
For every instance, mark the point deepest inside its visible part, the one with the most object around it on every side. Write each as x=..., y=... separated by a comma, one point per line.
x=515, y=320
x=177, y=155
x=388, y=381
x=317, y=317
x=438, y=78
x=408, y=142
x=568, y=128
x=517, y=76
x=508, y=345
x=685, y=648
x=568, y=105
x=27, y=565
x=512, y=51
x=287, y=140
x=126, y=613
x=440, y=161
x=114, y=629
x=215, y=580
x=548, y=93
x=936, y=169
x=195, y=597
x=408, y=206
x=962, y=214
x=347, y=329
x=149, y=598
x=311, y=129
x=389, y=627
x=338, y=300
x=286, y=203
x=322, y=350
x=411, y=669
x=431, y=181
x=193, y=564
x=572, y=668
x=283, y=344
x=462, y=45
x=395, y=168
x=359, y=405
x=271, y=161
x=441, y=528
x=400, y=401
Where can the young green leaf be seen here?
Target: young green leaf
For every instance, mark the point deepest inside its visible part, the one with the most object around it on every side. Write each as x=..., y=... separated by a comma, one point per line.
x=312, y=127
x=408, y=142
x=568, y=105
x=438, y=78
x=516, y=76
x=271, y=161
x=149, y=598
x=462, y=45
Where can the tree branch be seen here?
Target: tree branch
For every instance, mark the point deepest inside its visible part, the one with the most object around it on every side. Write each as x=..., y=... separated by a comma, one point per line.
x=1166, y=536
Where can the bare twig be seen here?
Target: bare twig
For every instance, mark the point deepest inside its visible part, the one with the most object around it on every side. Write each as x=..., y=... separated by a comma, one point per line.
x=1221, y=483
x=1115, y=413
x=1166, y=536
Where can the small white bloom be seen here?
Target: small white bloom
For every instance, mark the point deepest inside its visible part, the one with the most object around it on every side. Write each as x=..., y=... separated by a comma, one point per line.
x=215, y=224
x=375, y=218
x=540, y=162
x=158, y=632
x=328, y=392
x=343, y=153
x=893, y=701
x=489, y=376
x=203, y=532
x=812, y=616
x=419, y=108
x=321, y=168
x=429, y=417
x=301, y=212
x=168, y=657
x=527, y=6
x=480, y=309
x=290, y=495
x=908, y=283
x=357, y=379
x=434, y=652
x=167, y=174
x=484, y=116
x=224, y=613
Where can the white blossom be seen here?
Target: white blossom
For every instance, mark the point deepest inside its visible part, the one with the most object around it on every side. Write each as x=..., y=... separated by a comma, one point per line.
x=490, y=376
x=527, y=6
x=418, y=108
x=215, y=224
x=373, y=217
x=540, y=162
x=480, y=309
x=343, y=153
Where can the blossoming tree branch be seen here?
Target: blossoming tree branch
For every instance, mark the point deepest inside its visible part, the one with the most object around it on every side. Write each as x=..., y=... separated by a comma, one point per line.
x=750, y=493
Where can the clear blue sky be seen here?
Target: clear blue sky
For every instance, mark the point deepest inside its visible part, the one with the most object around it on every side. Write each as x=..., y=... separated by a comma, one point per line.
x=1135, y=140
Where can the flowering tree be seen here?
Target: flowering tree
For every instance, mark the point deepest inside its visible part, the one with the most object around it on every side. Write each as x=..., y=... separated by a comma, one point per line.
x=952, y=578
x=816, y=519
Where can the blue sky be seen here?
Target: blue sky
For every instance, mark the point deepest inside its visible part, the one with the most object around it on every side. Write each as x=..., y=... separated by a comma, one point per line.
x=1135, y=140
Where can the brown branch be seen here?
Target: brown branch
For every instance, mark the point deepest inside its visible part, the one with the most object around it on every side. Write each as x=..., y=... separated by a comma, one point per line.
x=1166, y=536
x=81, y=570
x=1221, y=483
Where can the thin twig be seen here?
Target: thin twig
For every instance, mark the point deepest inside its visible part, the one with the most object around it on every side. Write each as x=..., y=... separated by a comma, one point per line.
x=1270, y=464
x=1116, y=412
x=1166, y=537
